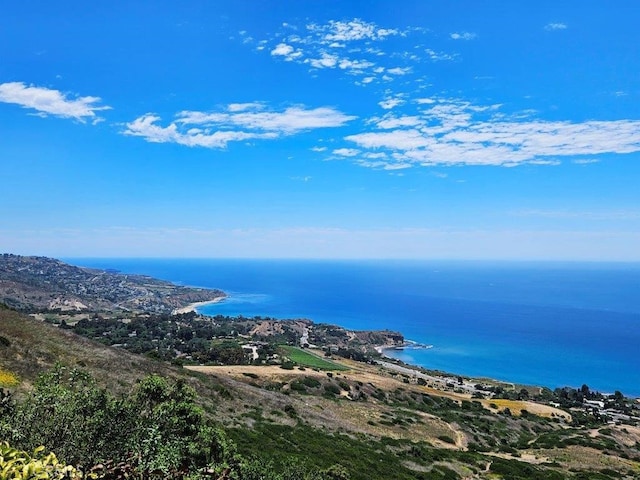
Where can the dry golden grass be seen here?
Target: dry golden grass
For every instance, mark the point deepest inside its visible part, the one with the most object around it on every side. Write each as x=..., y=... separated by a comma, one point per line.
x=517, y=406
x=271, y=372
x=586, y=458
x=371, y=417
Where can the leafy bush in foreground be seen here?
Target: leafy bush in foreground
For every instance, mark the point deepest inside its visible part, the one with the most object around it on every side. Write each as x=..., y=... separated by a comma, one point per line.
x=157, y=431
x=19, y=465
x=157, y=428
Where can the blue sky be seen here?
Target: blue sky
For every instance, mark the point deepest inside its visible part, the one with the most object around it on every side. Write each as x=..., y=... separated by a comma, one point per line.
x=377, y=129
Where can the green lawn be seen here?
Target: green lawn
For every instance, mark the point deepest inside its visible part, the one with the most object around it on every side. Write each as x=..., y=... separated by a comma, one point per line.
x=306, y=359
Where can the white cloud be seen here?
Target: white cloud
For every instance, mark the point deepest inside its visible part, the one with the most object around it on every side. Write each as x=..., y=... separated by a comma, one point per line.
x=356, y=29
x=318, y=149
x=389, y=103
x=463, y=36
x=355, y=65
x=346, y=152
x=439, y=56
x=286, y=51
x=282, y=49
x=455, y=132
x=585, y=161
x=51, y=102
x=375, y=156
x=388, y=122
x=555, y=26
x=217, y=129
x=325, y=61
x=396, y=166
x=399, y=70
x=345, y=46
x=146, y=127
x=240, y=107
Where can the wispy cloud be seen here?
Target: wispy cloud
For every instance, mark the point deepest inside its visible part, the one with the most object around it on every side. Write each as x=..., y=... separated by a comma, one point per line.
x=237, y=122
x=354, y=47
x=46, y=101
x=439, y=56
x=346, y=152
x=241, y=107
x=463, y=36
x=329, y=241
x=581, y=214
x=586, y=161
x=356, y=29
x=455, y=132
x=399, y=70
x=391, y=102
x=555, y=26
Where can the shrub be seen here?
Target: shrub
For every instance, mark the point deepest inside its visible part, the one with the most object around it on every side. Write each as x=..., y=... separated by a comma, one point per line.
x=332, y=389
x=158, y=424
x=19, y=465
x=311, y=382
x=447, y=439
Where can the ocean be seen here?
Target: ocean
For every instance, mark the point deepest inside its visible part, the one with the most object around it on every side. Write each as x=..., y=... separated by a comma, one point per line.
x=549, y=324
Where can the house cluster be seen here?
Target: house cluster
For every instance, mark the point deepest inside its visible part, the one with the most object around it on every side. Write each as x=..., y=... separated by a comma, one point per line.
x=612, y=409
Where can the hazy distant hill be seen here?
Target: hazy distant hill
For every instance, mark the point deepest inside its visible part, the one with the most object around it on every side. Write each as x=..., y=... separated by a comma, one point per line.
x=34, y=283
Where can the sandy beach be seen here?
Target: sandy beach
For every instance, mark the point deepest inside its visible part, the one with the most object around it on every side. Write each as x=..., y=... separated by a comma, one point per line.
x=193, y=306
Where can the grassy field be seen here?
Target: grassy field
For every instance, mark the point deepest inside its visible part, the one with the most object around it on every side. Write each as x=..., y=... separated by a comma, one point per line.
x=307, y=359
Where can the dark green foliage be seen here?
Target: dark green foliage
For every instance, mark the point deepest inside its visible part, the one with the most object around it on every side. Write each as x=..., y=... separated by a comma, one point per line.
x=157, y=431
x=362, y=459
x=331, y=389
x=311, y=382
x=447, y=439
x=7, y=407
x=291, y=411
x=165, y=336
x=156, y=428
x=298, y=386
x=522, y=471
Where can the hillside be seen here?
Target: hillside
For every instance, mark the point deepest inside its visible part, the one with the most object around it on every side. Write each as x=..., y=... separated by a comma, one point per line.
x=377, y=422
x=41, y=283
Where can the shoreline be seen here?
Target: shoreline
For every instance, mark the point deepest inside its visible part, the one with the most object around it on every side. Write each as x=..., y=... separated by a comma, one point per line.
x=193, y=307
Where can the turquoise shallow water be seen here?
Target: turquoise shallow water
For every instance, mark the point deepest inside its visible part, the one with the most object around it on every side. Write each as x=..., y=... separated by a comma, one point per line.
x=546, y=324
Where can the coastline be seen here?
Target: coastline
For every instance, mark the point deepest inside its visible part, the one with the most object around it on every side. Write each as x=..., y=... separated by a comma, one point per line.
x=193, y=307
x=556, y=373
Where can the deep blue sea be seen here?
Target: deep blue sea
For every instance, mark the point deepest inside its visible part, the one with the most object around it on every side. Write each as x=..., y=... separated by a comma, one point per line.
x=551, y=324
